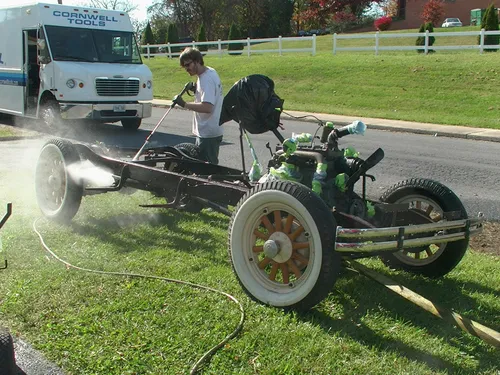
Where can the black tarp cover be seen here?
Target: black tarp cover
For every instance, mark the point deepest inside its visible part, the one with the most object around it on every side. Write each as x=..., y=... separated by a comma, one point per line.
x=253, y=103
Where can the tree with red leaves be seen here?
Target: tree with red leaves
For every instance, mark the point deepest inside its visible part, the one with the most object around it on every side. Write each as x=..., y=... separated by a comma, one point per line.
x=318, y=12
x=433, y=12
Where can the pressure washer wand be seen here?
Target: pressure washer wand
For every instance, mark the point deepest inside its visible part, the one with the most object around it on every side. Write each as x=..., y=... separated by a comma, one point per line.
x=188, y=86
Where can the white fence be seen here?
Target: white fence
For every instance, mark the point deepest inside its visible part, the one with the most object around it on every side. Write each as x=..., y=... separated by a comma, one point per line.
x=219, y=47
x=426, y=48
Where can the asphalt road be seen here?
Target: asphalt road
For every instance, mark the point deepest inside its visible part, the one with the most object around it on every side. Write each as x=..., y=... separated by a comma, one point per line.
x=470, y=168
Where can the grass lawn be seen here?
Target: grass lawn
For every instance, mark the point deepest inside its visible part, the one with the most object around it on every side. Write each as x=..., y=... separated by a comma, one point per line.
x=452, y=87
x=98, y=324
x=6, y=132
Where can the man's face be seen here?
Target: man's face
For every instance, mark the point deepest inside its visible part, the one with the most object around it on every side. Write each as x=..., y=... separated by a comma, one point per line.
x=191, y=67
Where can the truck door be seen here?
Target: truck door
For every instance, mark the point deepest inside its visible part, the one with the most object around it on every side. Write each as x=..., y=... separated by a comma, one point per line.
x=31, y=71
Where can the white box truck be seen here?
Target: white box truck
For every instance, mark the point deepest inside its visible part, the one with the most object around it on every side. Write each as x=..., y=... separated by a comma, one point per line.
x=60, y=62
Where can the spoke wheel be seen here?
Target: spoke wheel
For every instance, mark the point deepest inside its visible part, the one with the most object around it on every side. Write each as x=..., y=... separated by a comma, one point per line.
x=431, y=199
x=58, y=193
x=281, y=245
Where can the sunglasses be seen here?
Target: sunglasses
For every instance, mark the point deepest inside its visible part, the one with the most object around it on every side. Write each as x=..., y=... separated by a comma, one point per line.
x=186, y=65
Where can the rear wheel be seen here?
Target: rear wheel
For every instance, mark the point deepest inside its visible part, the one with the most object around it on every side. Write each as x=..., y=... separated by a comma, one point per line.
x=7, y=357
x=190, y=149
x=281, y=240
x=58, y=193
x=431, y=199
x=131, y=124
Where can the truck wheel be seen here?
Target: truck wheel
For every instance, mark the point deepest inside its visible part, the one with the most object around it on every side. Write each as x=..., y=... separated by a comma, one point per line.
x=131, y=124
x=431, y=199
x=58, y=193
x=7, y=357
x=50, y=114
x=281, y=240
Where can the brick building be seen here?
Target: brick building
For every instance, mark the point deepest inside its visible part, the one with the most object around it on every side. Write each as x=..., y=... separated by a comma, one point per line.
x=410, y=11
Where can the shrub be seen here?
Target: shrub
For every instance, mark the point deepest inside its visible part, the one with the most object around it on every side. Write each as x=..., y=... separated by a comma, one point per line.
x=234, y=34
x=383, y=23
x=202, y=38
x=421, y=39
x=433, y=11
x=490, y=22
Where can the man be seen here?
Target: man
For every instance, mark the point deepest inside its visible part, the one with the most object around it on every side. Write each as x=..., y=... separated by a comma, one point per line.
x=206, y=106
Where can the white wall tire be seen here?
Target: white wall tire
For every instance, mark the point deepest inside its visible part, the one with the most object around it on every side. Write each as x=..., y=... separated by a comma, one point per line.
x=58, y=194
x=290, y=215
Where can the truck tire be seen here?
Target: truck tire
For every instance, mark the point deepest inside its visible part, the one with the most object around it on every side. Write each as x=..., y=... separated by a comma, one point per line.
x=432, y=199
x=7, y=356
x=50, y=114
x=131, y=124
x=281, y=241
x=58, y=193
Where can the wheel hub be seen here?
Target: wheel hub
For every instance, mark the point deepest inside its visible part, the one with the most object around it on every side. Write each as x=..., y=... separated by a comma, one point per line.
x=278, y=247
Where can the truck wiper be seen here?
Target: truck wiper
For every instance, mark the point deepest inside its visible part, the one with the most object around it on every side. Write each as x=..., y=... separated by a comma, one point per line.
x=124, y=60
x=72, y=58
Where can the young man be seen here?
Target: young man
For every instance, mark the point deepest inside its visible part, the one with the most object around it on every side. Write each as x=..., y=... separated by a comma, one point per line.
x=206, y=106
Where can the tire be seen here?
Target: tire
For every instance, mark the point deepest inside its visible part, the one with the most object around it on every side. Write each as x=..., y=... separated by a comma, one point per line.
x=58, y=193
x=7, y=357
x=296, y=278
x=50, y=114
x=190, y=149
x=131, y=124
x=432, y=199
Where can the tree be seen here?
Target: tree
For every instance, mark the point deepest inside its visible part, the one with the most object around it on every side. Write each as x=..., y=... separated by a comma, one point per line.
x=173, y=37
x=433, y=12
x=421, y=39
x=234, y=34
x=124, y=5
x=202, y=38
x=279, y=15
x=148, y=37
x=390, y=7
x=490, y=22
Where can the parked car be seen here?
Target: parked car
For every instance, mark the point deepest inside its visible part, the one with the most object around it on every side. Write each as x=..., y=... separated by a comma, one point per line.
x=451, y=22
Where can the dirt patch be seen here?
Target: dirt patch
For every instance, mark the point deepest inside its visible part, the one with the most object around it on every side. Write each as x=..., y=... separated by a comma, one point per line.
x=488, y=241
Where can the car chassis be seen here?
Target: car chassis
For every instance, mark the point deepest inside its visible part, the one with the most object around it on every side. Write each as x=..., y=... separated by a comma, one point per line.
x=289, y=232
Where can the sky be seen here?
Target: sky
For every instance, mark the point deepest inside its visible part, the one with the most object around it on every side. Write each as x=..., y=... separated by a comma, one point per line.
x=140, y=14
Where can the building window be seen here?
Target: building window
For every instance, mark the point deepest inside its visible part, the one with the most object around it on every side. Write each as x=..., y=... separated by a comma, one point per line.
x=401, y=9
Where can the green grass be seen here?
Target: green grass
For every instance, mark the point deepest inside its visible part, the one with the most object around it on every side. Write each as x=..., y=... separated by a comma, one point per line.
x=95, y=324
x=6, y=132
x=452, y=87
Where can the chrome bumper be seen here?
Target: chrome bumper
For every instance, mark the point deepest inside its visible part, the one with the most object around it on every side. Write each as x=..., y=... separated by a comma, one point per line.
x=375, y=239
x=109, y=111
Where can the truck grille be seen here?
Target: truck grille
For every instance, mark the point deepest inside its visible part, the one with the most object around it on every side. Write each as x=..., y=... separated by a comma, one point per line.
x=117, y=87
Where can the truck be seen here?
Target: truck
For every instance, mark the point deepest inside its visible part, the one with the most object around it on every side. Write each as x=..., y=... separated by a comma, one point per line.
x=60, y=64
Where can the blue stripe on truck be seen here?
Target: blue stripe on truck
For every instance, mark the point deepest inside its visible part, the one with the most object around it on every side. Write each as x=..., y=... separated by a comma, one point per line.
x=12, y=79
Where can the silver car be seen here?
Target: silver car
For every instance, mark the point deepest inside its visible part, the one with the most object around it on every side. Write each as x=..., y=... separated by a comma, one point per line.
x=451, y=22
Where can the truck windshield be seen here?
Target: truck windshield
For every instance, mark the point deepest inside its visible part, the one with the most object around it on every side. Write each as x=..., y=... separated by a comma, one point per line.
x=89, y=45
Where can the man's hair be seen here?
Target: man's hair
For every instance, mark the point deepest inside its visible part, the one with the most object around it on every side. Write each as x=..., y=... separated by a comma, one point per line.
x=192, y=54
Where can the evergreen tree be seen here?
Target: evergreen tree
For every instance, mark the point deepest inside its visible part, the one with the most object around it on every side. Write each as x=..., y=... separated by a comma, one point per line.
x=148, y=37
x=421, y=39
x=173, y=37
x=202, y=38
x=489, y=22
x=234, y=34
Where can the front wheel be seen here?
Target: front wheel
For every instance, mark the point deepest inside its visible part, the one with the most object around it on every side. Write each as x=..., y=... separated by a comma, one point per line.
x=58, y=192
x=131, y=124
x=431, y=200
x=50, y=114
x=281, y=245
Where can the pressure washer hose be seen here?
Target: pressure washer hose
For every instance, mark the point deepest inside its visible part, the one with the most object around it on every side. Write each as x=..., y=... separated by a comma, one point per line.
x=208, y=355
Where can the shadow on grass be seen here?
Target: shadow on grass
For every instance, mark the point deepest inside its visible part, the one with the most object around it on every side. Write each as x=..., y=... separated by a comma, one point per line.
x=177, y=234
x=372, y=299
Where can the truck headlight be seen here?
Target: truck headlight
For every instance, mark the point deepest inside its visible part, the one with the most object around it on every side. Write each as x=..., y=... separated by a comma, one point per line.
x=149, y=84
x=71, y=83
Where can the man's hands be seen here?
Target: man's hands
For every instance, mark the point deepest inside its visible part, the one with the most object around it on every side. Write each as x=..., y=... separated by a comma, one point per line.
x=179, y=101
